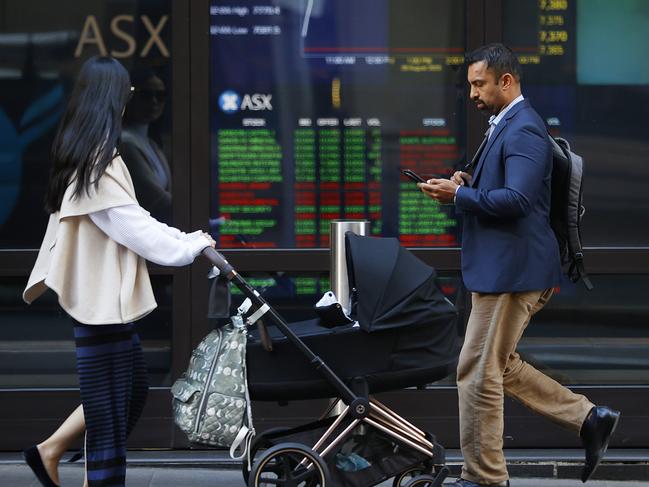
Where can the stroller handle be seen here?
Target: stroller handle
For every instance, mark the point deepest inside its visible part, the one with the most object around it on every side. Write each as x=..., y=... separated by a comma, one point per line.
x=217, y=259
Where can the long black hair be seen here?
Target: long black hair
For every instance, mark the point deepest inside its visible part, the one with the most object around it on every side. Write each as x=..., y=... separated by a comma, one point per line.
x=90, y=129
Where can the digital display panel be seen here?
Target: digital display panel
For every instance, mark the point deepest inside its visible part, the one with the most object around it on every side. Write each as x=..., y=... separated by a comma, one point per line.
x=315, y=106
x=583, y=71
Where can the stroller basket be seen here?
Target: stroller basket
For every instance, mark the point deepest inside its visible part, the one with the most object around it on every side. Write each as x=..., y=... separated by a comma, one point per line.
x=382, y=457
x=386, y=360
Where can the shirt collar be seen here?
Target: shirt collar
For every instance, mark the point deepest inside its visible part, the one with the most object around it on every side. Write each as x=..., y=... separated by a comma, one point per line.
x=495, y=119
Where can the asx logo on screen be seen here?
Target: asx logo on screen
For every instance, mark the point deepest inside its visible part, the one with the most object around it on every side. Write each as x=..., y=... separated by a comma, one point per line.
x=231, y=102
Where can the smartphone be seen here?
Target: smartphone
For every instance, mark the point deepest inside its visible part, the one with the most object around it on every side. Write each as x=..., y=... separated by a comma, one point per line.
x=413, y=175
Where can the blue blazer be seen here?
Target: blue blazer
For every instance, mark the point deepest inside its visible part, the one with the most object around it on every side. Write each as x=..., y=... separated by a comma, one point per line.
x=507, y=242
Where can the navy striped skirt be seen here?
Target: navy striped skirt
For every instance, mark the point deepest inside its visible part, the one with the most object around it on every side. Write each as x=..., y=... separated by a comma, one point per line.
x=114, y=384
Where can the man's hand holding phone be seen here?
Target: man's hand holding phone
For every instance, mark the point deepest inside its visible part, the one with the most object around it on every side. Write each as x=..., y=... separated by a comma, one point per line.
x=439, y=189
x=442, y=190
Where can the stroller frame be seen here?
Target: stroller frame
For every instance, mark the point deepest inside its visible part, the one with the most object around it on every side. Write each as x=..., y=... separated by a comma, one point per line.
x=382, y=418
x=361, y=410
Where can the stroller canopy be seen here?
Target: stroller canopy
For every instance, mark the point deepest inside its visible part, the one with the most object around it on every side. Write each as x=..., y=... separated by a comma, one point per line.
x=392, y=287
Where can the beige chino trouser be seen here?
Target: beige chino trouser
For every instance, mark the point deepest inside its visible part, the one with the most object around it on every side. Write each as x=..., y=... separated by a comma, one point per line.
x=489, y=365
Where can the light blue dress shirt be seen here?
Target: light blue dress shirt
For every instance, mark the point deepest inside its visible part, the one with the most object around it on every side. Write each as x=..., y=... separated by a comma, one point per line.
x=494, y=119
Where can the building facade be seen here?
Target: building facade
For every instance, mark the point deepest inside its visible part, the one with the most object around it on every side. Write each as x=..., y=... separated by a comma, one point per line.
x=262, y=121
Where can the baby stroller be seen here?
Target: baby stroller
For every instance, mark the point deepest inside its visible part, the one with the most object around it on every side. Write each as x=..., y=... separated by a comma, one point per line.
x=404, y=335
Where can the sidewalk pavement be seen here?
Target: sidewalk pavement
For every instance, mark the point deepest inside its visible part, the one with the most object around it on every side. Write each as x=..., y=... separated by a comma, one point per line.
x=72, y=476
x=15, y=475
x=215, y=468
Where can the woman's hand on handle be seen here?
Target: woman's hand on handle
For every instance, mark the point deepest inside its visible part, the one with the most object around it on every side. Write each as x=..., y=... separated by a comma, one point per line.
x=210, y=239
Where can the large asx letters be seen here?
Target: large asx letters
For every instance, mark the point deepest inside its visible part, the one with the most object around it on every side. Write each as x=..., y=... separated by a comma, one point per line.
x=91, y=35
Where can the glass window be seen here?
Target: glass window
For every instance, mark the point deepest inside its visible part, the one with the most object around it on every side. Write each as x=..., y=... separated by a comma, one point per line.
x=584, y=71
x=598, y=337
x=37, y=343
x=315, y=106
x=42, y=46
x=593, y=337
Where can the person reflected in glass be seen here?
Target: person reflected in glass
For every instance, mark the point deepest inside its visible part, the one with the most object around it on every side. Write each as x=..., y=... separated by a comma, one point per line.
x=143, y=156
x=93, y=257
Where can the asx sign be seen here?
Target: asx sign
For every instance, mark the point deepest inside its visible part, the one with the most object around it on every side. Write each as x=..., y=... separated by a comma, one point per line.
x=91, y=35
x=230, y=102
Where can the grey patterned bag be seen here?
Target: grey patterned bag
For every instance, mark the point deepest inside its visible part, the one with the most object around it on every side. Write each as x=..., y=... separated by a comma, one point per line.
x=211, y=402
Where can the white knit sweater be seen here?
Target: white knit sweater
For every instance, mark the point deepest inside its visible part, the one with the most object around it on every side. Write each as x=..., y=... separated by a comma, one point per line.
x=133, y=227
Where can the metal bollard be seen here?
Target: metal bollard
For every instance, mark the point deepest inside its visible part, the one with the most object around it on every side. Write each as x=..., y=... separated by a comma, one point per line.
x=339, y=281
x=338, y=260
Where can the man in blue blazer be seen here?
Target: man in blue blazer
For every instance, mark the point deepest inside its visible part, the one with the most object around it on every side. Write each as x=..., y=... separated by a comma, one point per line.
x=510, y=263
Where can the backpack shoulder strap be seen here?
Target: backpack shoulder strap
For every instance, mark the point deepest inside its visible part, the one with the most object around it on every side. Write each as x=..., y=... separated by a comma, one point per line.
x=575, y=212
x=247, y=432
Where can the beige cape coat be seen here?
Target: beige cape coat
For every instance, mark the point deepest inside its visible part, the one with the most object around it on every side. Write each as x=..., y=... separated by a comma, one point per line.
x=97, y=280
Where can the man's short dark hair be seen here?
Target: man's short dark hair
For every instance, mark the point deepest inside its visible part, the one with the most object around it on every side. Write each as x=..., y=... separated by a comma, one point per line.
x=500, y=58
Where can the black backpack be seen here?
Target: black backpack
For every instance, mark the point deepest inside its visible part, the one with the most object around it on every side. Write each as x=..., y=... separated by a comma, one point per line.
x=567, y=209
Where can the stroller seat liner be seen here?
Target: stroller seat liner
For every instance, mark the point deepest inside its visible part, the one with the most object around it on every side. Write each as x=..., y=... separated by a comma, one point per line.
x=388, y=359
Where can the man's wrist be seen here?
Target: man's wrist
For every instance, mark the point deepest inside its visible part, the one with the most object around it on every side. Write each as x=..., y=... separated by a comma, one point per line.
x=455, y=195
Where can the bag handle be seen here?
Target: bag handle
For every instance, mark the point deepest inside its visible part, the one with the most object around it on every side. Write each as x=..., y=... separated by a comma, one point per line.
x=243, y=440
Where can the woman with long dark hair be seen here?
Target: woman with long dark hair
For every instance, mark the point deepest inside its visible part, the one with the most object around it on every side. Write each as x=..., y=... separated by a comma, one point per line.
x=93, y=256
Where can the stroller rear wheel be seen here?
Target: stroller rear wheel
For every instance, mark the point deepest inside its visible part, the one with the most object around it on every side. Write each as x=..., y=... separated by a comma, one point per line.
x=289, y=465
x=402, y=479
x=427, y=480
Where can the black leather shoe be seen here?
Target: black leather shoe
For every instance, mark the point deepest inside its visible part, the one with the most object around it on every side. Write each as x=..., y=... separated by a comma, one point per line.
x=595, y=434
x=35, y=462
x=468, y=483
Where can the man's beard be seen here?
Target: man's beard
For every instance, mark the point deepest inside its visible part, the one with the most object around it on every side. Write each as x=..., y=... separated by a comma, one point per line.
x=482, y=107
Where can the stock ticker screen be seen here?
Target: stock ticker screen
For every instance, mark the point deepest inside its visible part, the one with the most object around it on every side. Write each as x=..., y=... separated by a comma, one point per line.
x=316, y=105
x=585, y=72
x=542, y=33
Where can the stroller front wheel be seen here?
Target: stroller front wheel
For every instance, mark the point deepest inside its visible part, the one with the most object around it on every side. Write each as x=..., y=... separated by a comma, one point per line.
x=289, y=465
